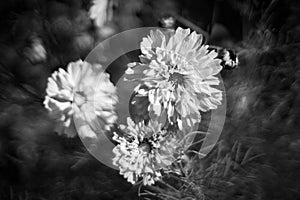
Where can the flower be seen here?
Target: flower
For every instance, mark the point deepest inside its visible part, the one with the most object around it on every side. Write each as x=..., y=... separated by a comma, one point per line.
x=99, y=12
x=180, y=74
x=83, y=93
x=145, y=152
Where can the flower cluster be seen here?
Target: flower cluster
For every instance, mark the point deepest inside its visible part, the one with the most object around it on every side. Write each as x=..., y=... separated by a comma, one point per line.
x=177, y=78
x=177, y=74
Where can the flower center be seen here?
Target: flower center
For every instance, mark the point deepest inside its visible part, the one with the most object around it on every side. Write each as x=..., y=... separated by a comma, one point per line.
x=79, y=98
x=176, y=78
x=145, y=147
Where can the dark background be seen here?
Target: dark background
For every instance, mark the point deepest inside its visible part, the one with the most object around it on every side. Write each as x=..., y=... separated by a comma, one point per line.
x=263, y=98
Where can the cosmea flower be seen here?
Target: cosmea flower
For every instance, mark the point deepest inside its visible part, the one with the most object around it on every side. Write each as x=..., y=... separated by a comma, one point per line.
x=144, y=151
x=179, y=72
x=83, y=93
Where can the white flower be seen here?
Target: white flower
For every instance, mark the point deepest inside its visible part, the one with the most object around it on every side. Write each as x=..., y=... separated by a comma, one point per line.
x=99, y=12
x=144, y=152
x=84, y=93
x=179, y=71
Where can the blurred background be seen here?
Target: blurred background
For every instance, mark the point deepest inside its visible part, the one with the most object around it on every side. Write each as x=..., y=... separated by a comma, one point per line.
x=258, y=156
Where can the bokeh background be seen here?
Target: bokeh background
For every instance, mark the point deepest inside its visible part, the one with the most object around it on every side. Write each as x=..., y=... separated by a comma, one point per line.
x=258, y=156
